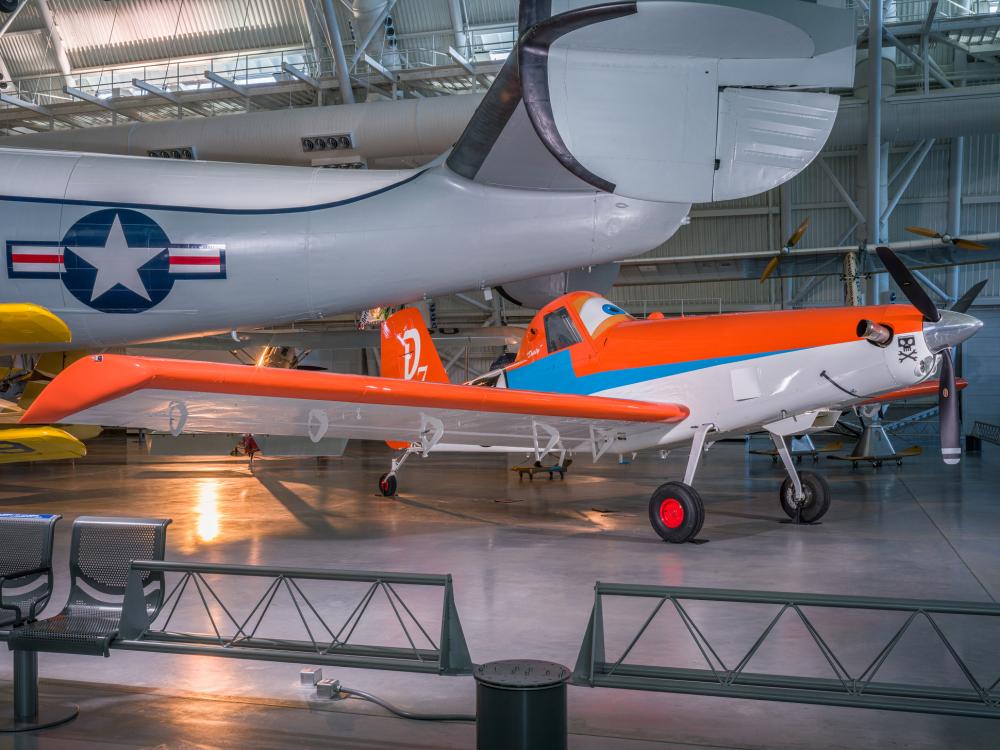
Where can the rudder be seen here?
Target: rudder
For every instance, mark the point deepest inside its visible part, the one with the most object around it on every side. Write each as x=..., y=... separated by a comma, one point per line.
x=408, y=352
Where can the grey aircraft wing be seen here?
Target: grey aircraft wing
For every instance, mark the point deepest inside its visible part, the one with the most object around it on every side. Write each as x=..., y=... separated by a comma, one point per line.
x=918, y=255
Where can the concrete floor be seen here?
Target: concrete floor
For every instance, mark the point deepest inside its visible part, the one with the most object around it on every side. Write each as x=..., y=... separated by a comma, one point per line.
x=524, y=557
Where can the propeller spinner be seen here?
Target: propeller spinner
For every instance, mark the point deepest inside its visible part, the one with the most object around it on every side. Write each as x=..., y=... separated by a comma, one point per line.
x=943, y=330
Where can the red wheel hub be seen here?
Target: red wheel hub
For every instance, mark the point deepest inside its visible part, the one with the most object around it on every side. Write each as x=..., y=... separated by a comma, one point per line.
x=671, y=513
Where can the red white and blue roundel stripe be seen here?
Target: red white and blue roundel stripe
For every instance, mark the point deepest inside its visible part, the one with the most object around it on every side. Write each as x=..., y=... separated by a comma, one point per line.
x=116, y=260
x=34, y=260
x=44, y=260
x=197, y=261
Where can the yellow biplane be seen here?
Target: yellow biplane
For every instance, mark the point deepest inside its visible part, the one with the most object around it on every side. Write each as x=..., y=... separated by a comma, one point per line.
x=24, y=324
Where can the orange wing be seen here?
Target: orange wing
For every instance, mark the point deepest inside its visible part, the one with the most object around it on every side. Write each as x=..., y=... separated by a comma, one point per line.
x=177, y=395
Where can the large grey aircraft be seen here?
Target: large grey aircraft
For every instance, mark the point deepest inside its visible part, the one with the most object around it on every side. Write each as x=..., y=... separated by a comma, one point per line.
x=604, y=125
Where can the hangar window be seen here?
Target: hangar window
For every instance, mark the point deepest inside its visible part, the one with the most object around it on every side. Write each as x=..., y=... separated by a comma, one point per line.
x=560, y=331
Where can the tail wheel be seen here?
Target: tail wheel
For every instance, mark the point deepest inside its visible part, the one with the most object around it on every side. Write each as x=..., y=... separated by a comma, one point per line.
x=816, y=502
x=676, y=512
x=387, y=485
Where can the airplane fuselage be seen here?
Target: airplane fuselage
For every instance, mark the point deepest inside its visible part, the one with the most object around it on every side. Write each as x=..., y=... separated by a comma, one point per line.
x=736, y=372
x=224, y=246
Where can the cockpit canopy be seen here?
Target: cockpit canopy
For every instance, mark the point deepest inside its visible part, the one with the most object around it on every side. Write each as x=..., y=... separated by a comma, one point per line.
x=568, y=321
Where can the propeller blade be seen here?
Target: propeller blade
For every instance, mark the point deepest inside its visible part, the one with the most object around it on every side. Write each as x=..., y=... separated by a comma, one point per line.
x=964, y=302
x=951, y=450
x=797, y=234
x=908, y=284
x=924, y=232
x=969, y=244
x=770, y=268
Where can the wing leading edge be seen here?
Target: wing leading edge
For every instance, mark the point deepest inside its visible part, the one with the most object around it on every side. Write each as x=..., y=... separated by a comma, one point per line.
x=175, y=395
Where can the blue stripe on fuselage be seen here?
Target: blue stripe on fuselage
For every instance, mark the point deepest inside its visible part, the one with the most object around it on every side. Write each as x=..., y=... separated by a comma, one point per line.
x=555, y=373
x=209, y=209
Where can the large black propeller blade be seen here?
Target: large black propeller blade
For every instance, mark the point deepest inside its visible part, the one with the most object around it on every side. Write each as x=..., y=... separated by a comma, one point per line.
x=951, y=448
x=948, y=420
x=964, y=302
x=908, y=284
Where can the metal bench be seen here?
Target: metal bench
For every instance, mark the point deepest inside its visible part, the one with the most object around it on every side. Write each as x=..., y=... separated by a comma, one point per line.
x=25, y=566
x=101, y=555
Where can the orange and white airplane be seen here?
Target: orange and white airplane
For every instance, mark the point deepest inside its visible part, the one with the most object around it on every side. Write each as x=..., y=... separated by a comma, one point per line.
x=588, y=377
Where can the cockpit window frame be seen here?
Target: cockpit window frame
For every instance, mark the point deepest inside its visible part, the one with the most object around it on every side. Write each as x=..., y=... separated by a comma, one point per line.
x=564, y=316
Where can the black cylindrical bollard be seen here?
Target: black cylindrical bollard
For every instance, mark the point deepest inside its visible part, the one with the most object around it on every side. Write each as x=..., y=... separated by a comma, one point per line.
x=521, y=705
x=25, y=685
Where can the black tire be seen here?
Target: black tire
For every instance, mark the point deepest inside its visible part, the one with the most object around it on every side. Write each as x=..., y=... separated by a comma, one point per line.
x=817, y=499
x=676, y=512
x=387, y=485
x=9, y=6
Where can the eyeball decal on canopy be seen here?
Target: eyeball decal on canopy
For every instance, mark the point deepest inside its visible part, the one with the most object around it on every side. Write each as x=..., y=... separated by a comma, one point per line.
x=598, y=314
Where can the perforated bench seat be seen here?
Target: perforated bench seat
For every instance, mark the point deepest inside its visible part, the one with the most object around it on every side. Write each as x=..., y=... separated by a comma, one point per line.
x=84, y=630
x=25, y=565
x=100, y=557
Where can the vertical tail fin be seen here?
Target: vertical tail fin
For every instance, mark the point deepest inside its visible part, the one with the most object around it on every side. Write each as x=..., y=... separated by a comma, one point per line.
x=407, y=349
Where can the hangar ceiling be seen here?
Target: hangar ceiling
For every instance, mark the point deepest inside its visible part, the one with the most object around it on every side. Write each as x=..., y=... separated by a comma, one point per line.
x=77, y=63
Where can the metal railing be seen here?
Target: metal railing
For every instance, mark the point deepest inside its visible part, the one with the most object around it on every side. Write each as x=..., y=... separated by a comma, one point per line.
x=219, y=595
x=986, y=431
x=856, y=688
x=245, y=68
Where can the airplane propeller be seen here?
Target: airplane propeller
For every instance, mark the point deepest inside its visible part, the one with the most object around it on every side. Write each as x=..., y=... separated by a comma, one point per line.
x=947, y=238
x=961, y=326
x=963, y=303
x=772, y=265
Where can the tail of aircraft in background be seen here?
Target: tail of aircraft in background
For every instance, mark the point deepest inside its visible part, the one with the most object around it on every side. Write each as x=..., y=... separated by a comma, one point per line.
x=408, y=352
x=661, y=101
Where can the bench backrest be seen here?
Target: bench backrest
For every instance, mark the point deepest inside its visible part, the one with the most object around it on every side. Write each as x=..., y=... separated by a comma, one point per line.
x=26, y=545
x=101, y=555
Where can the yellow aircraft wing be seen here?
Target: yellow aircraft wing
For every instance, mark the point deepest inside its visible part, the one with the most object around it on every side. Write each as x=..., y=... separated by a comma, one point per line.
x=38, y=444
x=25, y=323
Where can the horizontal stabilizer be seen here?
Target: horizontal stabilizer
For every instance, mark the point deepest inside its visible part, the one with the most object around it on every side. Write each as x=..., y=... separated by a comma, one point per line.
x=662, y=100
x=927, y=389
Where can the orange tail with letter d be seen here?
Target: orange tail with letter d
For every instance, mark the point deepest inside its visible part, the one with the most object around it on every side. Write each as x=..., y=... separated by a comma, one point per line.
x=408, y=352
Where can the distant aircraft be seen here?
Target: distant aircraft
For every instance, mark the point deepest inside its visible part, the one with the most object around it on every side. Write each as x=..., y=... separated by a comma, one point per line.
x=588, y=377
x=851, y=263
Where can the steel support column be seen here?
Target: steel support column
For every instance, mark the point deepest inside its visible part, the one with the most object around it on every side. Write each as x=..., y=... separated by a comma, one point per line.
x=873, y=212
x=337, y=47
x=58, y=49
x=955, y=165
x=458, y=26
x=923, y=148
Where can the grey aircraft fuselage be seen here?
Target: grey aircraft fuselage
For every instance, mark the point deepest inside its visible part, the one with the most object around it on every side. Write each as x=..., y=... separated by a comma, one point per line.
x=132, y=249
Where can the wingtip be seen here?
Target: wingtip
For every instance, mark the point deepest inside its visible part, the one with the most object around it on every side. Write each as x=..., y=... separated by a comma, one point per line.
x=76, y=388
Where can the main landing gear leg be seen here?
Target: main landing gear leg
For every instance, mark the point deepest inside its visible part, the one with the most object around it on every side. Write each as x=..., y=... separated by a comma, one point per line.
x=805, y=496
x=676, y=511
x=387, y=483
